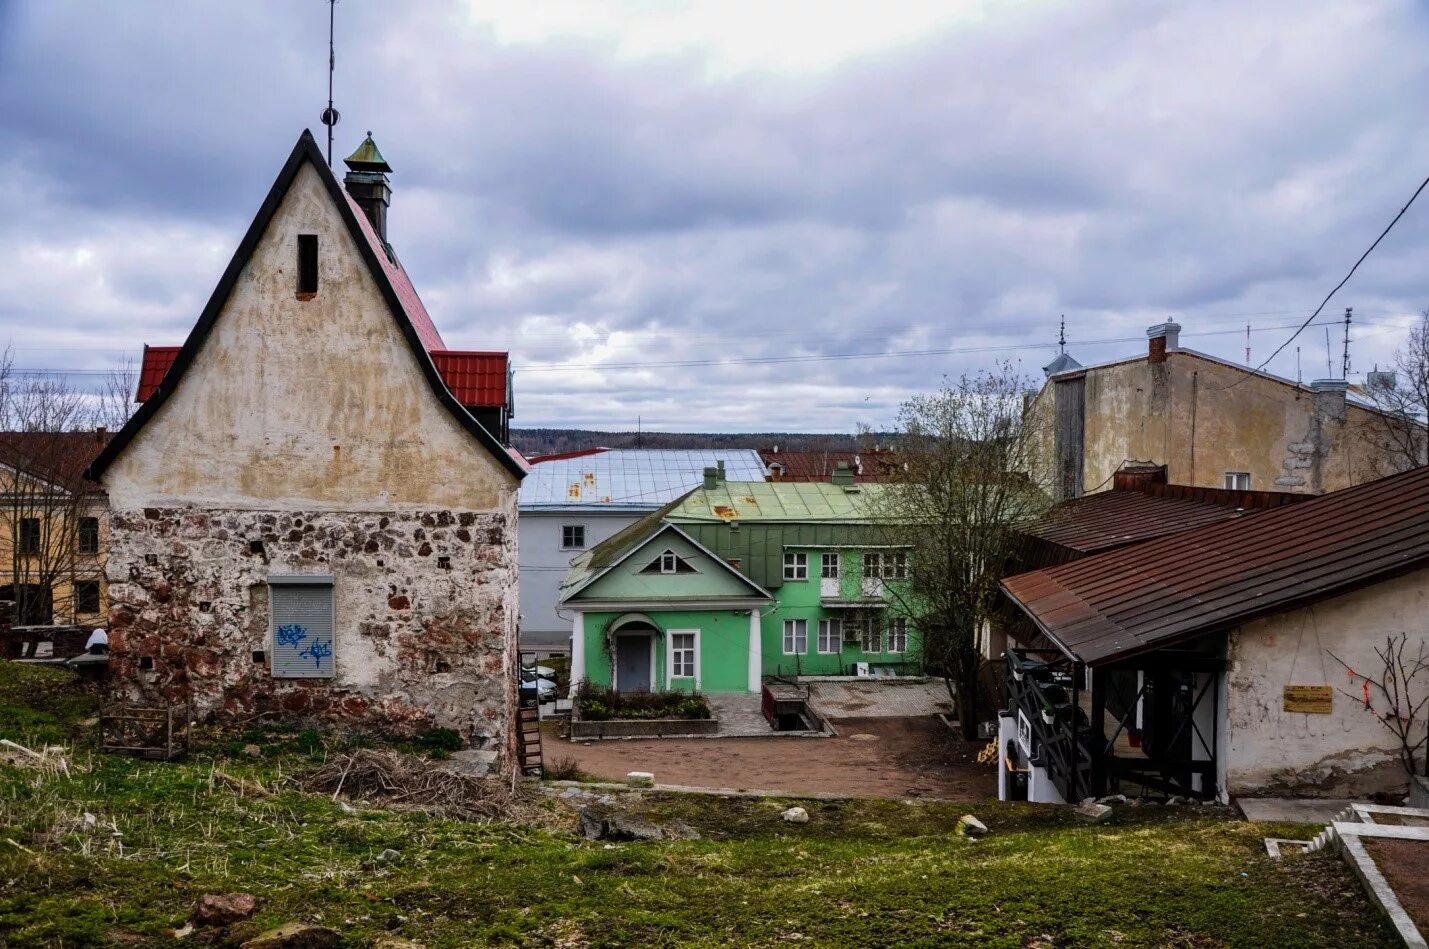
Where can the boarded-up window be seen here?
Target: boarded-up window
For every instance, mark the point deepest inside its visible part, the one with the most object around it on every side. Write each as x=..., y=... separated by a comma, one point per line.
x=301, y=627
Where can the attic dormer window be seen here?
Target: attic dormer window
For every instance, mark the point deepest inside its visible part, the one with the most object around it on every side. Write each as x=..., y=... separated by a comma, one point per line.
x=307, y=266
x=669, y=562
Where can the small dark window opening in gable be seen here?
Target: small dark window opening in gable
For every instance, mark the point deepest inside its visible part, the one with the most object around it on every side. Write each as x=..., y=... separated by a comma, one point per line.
x=307, y=265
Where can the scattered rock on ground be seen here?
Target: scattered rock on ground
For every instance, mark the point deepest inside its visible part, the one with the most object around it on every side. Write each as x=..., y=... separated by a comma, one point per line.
x=617, y=825
x=970, y=826
x=796, y=815
x=295, y=936
x=220, y=909
x=388, y=856
x=1096, y=813
x=640, y=779
x=1112, y=799
x=253, y=751
x=394, y=942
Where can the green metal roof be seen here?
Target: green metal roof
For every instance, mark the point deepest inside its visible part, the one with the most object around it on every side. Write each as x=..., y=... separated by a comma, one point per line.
x=783, y=501
x=367, y=157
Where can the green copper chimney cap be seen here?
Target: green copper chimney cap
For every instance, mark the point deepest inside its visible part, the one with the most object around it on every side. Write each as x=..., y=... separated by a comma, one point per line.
x=367, y=157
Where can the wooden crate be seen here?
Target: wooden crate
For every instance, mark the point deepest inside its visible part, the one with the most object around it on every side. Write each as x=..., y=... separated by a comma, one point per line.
x=147, y=732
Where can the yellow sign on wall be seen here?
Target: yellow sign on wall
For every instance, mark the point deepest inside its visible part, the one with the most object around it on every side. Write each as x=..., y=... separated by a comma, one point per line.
x=1315, y=699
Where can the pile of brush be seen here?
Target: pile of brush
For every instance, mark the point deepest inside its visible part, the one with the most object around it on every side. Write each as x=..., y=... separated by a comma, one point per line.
x=392, y=779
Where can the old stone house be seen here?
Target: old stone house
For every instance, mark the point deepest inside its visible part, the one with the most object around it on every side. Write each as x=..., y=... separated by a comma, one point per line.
x=307, y=522
x=1212, y=423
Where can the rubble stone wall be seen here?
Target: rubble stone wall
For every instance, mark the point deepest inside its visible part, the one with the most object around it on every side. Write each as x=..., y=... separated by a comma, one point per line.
x=424, y=623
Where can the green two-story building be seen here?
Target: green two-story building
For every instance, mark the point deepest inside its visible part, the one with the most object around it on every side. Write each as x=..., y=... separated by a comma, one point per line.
x=741, y=580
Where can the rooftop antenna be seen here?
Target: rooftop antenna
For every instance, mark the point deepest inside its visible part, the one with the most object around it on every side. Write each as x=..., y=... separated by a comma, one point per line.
x=330, y=116
x=1062, y=335
x=1298, y=376
x=1345, y=364
x=1247, y=344
x=1329, y=364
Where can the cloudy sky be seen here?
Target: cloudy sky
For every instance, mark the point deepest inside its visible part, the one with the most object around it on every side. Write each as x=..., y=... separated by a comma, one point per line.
x=696, y=213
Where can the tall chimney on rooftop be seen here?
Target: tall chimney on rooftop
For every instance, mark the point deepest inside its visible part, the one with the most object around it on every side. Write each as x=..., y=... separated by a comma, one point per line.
x=1162, y=338
x=366, y=181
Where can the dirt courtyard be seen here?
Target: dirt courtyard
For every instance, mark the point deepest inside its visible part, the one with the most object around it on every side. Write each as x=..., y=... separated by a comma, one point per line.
x=871, y=757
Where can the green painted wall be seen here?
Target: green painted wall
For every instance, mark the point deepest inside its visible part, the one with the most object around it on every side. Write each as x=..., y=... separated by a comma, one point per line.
x=802, y=599
x=723, y=648
x=627, y=581
x=723, y=643
x=759, y=547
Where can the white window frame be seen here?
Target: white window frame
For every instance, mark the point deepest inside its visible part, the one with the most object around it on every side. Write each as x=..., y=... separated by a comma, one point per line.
x=796, y=566
x=829, y=566
x=669, y=562
x=873, y=626
x=897, y=635
x=671, y=652
x=873, y=564
x=895, y=565
x=566, y=531
x=794, y=631
x=831, y=633
x=1232, y=479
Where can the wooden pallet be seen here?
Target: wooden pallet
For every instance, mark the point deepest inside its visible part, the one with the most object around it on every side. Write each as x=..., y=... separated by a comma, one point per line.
x=529, y=740
x=161, y=733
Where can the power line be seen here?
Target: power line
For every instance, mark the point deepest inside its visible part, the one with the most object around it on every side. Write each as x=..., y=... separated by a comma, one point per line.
x=1382, y=234
x=810, y=357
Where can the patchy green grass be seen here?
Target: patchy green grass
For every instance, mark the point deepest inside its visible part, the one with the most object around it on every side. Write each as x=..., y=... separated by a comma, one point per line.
x=43, y=704
x=864, y=873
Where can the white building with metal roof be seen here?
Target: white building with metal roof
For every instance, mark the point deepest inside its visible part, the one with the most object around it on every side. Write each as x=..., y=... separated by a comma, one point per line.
x=569, y=504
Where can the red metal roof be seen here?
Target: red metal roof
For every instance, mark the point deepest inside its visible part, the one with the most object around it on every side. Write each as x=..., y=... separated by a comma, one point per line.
x=1221, y=575
x=867, y=466
x=401, y=284
x=156, y=364
x=1131, y=515
x=478, y=380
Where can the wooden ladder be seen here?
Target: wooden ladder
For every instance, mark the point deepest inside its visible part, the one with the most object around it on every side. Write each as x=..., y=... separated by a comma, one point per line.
x=530, y=740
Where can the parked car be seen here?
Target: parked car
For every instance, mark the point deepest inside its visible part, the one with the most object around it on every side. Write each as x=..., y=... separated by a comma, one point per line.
x=536, y=688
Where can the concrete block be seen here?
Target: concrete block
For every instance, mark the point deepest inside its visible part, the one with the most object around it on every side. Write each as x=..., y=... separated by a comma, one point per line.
x=640, y=779
x=1096, y=813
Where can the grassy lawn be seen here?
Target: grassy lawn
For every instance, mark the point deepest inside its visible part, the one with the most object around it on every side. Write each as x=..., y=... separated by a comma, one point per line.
x=867, y=873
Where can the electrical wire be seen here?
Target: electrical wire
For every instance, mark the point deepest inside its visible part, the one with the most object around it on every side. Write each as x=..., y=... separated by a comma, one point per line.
x=1382, y=234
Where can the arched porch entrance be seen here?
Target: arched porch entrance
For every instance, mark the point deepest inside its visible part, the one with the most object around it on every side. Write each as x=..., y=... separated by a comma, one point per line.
x=633, y=641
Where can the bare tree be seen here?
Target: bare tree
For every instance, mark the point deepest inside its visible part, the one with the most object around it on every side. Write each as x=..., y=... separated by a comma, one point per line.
x=114, y=402
x=1392, y=697
x=1398, y=433
x=49, y=516
x=962, y=482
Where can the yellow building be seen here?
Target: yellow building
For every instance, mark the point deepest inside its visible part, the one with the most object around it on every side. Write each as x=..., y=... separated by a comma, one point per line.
x=1210, y=422
x=53, y=529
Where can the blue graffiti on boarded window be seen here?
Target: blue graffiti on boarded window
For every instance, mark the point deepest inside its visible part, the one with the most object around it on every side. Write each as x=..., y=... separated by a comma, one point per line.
x=317, y=651
x=290, y=634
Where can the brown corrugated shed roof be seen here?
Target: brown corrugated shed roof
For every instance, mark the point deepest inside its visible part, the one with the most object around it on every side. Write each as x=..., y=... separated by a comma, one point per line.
x=1211, y=578
x=1126, y=516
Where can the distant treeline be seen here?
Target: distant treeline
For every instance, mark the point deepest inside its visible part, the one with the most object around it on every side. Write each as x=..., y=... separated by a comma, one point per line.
x=548, y=441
